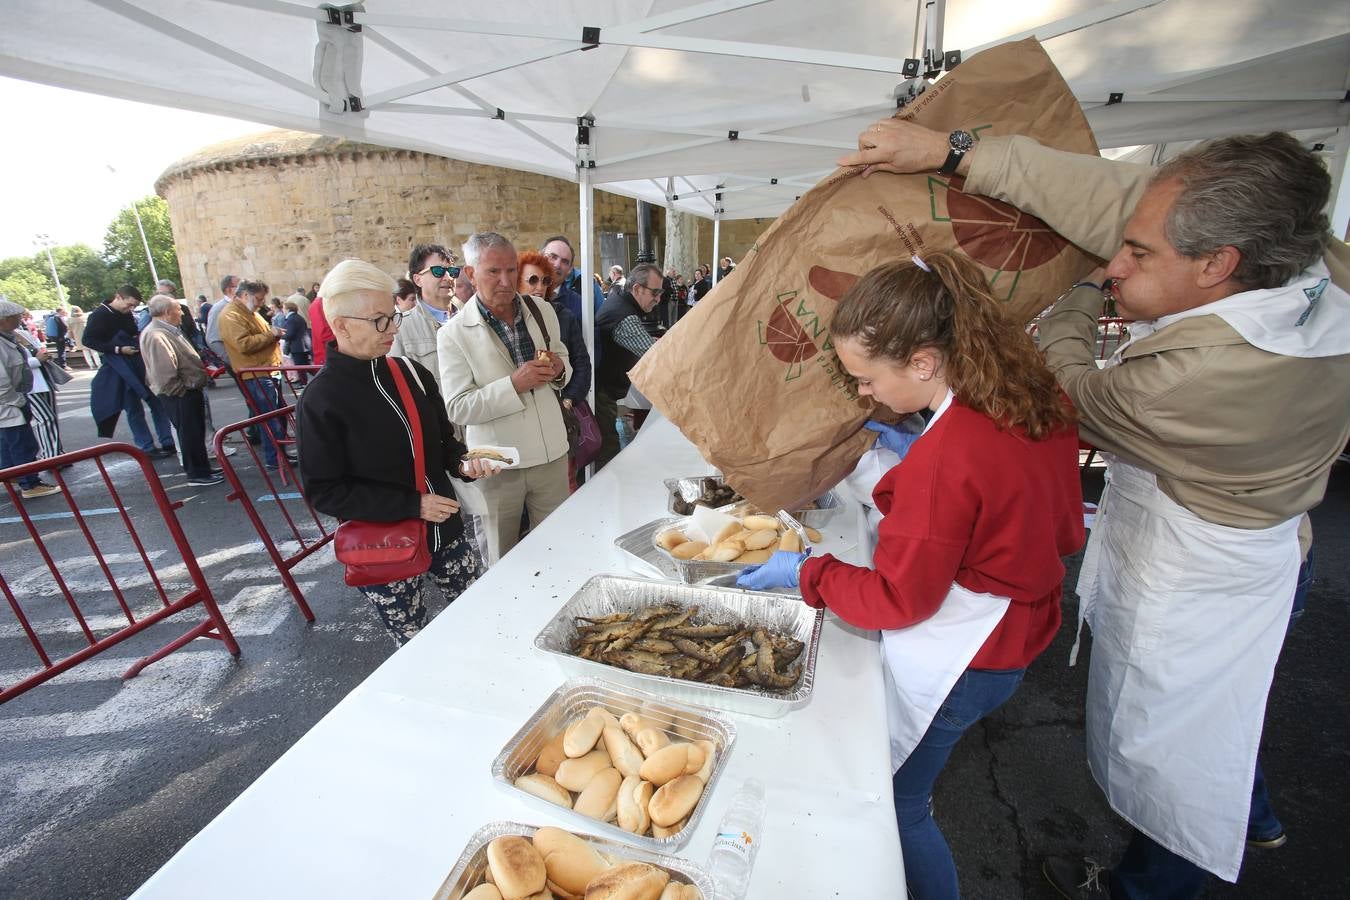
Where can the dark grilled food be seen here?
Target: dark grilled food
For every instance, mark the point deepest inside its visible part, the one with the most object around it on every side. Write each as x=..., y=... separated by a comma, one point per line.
x=712, y=494
x=670, y=641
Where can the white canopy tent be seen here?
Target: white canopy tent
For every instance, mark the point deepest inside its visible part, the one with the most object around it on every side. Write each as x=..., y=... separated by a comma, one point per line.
x=722, y=108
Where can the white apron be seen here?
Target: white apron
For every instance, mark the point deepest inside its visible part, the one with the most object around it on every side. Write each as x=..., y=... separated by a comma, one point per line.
x=1187, y=621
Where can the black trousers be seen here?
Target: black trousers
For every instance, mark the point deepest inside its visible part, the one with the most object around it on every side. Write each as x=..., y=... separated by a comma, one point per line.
x=188, y=414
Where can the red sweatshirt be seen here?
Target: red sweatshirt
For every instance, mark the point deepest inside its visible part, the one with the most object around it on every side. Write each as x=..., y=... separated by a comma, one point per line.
x=990, y=510
x=319, y=332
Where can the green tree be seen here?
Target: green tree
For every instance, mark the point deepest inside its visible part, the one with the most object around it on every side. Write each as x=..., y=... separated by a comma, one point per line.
x=124, y=253
x=28, y=282
x=85, y=276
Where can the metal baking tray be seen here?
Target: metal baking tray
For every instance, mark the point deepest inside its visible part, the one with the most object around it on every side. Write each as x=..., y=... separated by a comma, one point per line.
x=569, y=703
x=472, y=863
x=605, y=594
x=690, y=487
x=640, y=543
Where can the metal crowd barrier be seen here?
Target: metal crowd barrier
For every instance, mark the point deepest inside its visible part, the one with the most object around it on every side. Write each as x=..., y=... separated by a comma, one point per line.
x=212, y=626
x=283, y=501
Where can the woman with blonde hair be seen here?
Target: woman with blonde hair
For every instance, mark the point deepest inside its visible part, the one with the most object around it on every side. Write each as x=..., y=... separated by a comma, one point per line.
x=357, y=446
x=977, y=515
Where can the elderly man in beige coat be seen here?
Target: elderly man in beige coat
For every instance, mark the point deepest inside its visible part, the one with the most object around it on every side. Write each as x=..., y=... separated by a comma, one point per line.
x=1222, y=417
x=175, y=372
x=502, y=364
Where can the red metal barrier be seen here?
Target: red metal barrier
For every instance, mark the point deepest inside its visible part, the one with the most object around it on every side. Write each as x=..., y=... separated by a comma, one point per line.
x=213, y=626
x=282, y=500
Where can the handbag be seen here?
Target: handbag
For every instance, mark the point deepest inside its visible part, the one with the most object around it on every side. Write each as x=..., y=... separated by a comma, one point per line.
x=381, y=552
x=571, y=421
x=588, y=447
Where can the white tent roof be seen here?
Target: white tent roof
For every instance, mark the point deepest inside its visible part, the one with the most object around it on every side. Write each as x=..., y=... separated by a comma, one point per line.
x=670, y=80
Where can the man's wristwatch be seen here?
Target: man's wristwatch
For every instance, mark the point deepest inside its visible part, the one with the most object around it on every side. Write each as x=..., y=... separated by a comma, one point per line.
x=959, y=143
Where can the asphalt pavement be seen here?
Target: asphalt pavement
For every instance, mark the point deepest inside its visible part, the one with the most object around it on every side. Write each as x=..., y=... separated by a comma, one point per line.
x=102, y=780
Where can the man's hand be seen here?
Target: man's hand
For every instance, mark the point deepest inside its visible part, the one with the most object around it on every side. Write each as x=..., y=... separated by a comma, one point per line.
x=436, y=508
x=41, y=353
x=894, y=145
x=533, y=374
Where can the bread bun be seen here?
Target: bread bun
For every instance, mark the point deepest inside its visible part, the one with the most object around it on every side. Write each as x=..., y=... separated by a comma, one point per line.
x=667, y=764
x=675, y=799
x=582, y=735
x=790, y=542
x=728, y=530
x=672, y=539
x=727, y=551
x=600, y=798
x=560, y=893
x=689, y=549
x=550, y=756
x=709, y=756
x=545, y=788
x=632, y=723
x=624, y=756
x=755, y=557
x=677, y=891
x=665, y=831
x=483, y=892
x=517, y=868
x=575, y=774
x=758, y=523
x=649, y=740
x=571, y=862
x=813, y=536
x=758, y=540
x=630, y=881
x=634, y=795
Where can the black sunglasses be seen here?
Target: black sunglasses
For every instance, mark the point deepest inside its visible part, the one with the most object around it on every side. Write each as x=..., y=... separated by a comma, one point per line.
x=535, y=279
x=441, y=271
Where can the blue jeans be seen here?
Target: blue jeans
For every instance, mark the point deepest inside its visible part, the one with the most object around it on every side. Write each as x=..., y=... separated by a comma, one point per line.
x=265, y=394
x=17, y=447
x=131, y=405
x=930, y=872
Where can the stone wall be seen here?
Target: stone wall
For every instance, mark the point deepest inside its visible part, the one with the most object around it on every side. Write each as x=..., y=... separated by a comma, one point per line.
x=735, y=240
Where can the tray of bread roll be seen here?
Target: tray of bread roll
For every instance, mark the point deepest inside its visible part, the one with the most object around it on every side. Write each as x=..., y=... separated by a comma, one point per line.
x=724, y=648
x=623, y=762
x=673, y=548
x=529, y=860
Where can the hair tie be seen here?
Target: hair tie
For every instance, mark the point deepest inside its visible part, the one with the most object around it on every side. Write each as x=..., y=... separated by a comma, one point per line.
x=920, y=263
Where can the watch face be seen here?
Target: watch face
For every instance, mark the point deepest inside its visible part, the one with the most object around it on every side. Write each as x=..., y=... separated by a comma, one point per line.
x=961, y=141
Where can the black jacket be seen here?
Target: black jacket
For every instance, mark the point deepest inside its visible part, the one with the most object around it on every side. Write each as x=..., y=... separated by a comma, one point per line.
x=356, y=449
x=579, y=385
x=106, y=329
x=615, y=359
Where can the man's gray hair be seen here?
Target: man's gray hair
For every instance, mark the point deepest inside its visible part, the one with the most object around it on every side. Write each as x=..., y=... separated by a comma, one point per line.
x=168, y=283
x=226, y=281
x=160, y=304
x=481, y=242
x=1263, y=194
x=641, y=274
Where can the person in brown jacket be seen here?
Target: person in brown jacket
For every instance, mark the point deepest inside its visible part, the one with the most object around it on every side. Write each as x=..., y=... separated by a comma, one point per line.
x=175, y=372
x=1237, y=295
x=252, y=342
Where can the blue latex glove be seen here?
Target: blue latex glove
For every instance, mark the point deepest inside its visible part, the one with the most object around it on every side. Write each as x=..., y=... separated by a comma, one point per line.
x=779, y=571
x=892, y=437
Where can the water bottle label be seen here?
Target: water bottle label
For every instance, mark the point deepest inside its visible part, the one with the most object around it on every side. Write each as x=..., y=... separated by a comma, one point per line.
x=739, y=842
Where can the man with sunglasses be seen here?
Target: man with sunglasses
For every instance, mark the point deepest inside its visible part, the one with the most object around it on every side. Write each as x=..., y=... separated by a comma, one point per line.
x=625, y=340
x=431, y=267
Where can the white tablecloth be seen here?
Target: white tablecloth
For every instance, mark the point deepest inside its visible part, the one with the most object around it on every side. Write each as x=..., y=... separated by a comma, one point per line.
x=380, y=797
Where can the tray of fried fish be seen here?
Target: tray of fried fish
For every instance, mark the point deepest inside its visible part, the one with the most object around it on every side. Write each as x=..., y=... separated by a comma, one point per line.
x=725, y=648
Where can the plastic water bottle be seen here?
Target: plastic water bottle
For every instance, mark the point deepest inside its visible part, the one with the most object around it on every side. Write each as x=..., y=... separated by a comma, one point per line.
x=738, y=837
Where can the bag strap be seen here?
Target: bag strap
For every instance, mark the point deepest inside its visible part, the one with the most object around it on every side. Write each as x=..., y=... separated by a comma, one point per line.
x=538, y=318
x=414, y=421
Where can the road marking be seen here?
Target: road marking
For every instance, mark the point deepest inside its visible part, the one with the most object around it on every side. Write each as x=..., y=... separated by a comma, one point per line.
x=289, y=495
x=40, y=517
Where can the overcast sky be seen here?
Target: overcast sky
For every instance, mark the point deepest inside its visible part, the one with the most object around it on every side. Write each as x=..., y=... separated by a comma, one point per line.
x=56, y=151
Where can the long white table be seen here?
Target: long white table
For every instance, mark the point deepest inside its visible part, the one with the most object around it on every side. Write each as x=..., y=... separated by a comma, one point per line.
x=381, y=796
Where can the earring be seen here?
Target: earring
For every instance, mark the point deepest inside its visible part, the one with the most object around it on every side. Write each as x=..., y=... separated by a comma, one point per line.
x=924, y=377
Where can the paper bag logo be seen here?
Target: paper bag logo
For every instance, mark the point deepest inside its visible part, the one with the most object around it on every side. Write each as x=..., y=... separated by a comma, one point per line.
x=796, y=334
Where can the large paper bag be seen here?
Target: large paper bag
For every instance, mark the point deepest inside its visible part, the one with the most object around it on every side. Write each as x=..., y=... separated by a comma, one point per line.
x=750, y=375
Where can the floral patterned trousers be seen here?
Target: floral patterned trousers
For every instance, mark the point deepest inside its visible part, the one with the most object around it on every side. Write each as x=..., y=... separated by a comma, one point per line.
x=401, y=604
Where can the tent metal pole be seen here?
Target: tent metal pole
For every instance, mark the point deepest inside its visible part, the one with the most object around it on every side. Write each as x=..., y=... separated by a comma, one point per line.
x=717, y=243
x=586, y=263
x=1339, y=166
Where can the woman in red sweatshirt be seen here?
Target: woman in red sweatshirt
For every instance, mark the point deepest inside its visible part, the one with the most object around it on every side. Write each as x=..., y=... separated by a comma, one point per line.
x=968, y=572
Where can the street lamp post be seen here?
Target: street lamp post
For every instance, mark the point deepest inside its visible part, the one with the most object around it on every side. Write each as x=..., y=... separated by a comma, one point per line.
x=46, y=243
x=135, y=211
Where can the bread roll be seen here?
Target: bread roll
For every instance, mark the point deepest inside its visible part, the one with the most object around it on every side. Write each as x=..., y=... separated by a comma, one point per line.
x=632, y=723
x=709, y=756
x=550, y=756
x=666, y=764
x=696, y=756
x=740, y=536
x=758, y=540
x=649, y=740
x=727, y=551
x=672, y=539
x=727, y=531
x=705, y=554
x=790, y=542
x=484, y=892
x=755, y=557
x=517, y=868
x=545, y=788
x=813, y=536
x=665, y=831
x=571, y=862
x=675, y=799
x=757, y=523
x=630, y=881
x=677, y=891
x=544, y=894
x=634, y=795
x=600, y=798
x=575, y=774
x=689, y=549
x=560, y=893
x=582, y=735
x=624, y=756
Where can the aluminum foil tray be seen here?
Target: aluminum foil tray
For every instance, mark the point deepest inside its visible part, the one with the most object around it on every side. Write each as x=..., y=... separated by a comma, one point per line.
x=605, y=594
x=472, y=863
x=640, y=543
x=569, y=703
x=691, y=486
